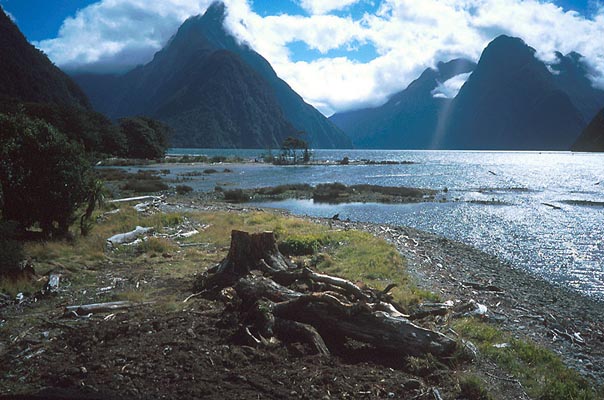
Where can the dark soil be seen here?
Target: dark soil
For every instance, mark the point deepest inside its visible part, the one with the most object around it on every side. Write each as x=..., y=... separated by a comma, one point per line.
x=146, y=353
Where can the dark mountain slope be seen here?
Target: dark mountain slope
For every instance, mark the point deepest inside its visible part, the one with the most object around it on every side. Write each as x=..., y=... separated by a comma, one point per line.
x=571, y=74
x=238, y=103
x=592, y=138
x=26, y=74
x=409, y=120
x=511, y=101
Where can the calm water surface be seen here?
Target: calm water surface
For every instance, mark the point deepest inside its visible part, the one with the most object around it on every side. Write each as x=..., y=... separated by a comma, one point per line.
x=564, y=246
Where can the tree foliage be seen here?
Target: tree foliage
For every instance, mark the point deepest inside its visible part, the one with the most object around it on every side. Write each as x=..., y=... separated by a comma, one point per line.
x=44, y=175
x=146, y=137
x=289, y=150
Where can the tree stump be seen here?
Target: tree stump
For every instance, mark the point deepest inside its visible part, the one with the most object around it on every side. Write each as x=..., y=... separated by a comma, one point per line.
x=269, y=305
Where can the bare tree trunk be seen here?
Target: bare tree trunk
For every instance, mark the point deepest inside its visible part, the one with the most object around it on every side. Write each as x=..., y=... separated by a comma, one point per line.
x=338, y=310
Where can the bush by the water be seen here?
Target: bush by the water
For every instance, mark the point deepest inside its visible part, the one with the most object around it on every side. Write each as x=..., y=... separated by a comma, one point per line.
x=145, y=186
x=275, y=190
x=330, y=191
x=302, y=245
x=236, y=196
x=183, y=189
x=44, y=176
x=146, y=137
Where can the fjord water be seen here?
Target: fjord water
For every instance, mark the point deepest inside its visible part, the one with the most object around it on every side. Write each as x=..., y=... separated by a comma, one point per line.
x=495, y=201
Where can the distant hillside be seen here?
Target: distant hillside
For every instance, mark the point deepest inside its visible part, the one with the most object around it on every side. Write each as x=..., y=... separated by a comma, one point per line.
x=26, y=74
x=409, y=119
x=592, y=138
x=511, y=101
x=213, y=91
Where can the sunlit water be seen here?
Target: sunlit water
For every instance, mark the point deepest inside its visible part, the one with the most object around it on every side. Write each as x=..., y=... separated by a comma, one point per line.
x=564, y=246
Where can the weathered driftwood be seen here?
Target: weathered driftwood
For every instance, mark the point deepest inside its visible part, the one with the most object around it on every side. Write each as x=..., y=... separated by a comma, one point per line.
x=128, y=237
x=85, y=309
x=552, y=206
x=137, y=198
x=268, y=296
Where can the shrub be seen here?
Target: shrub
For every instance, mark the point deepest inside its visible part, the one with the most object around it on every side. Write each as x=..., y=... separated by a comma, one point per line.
x=276, y=190
x=472, y=388
x=44, y=176
x=218, y=159
x=302, y=245
x=183, y=189
x=330, y=192
x=236, y=196
x=146, y=137
x=145, y=186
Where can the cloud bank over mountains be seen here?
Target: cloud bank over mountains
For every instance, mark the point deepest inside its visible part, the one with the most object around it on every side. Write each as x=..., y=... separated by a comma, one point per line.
x=362, y=50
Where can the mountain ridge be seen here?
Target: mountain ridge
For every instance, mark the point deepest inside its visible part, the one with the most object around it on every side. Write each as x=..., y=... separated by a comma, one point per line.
x=148, y=89
x=511, y=101
x=41, y=81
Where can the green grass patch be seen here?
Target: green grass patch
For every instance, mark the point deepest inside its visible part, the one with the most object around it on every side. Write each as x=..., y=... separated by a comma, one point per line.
x=541, y=372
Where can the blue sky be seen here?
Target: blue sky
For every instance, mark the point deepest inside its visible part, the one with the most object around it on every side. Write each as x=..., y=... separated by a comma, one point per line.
x=338, y=54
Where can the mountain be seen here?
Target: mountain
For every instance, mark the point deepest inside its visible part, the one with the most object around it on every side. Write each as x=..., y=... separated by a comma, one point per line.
x=213, y=91
x=511, y=101
x=409, y=119
x=571, y=74
x=27, y=75
x=592, y=138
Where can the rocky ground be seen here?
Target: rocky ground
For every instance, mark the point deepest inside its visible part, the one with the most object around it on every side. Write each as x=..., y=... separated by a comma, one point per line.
x=560, y=319
x=184, y=349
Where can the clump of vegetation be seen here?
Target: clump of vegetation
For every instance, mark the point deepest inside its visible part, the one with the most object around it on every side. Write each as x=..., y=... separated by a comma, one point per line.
x=183, y=189
x=277, y=190
x=331, y=192
x=303, y=245
x=218, y=159
x=236, y=196
x=472, y=387
x=541, y=372
x=145, y=186
x=146, y=137
x=338, y=192
x=293, y=151
x=345, y=161
x=44, y=176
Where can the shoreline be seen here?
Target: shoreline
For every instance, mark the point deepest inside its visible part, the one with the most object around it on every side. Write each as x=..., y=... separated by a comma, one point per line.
x=169, y=329
x=560, y=319
x=529, y=306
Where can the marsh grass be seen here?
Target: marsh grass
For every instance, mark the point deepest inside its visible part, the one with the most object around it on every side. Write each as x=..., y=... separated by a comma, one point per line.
x=355, y=255
x=25, y=285
x=541, y=372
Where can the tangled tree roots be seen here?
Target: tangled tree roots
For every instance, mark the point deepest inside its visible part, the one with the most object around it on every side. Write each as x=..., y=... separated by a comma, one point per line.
x=276, y=298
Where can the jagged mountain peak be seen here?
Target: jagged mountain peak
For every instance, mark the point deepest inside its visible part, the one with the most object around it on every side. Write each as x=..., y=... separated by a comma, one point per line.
x=205, y=82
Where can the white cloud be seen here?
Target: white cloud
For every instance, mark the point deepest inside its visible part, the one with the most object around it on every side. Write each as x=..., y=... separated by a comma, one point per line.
x=449, y=88
x=408, y=36
x=325, y=6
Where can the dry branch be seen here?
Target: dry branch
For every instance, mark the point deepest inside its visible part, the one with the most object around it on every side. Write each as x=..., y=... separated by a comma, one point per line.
x=264, y=286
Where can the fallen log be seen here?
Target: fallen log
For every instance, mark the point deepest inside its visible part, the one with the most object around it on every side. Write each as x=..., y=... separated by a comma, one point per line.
x=265, y=287
x=128, y=237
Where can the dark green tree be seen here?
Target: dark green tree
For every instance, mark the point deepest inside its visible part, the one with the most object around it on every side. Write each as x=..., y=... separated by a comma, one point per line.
x=290, y=147
x=146, y=137
x=43, y=175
